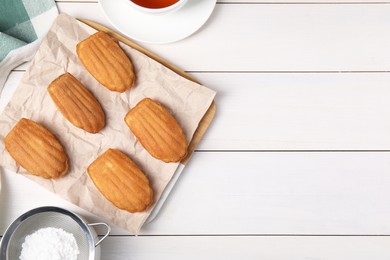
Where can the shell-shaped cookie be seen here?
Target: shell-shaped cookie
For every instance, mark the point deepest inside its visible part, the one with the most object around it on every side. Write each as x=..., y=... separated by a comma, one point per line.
x=36, y=149
x=121, y=181
x=157, y=130
x=76, y=103
x=106, y=61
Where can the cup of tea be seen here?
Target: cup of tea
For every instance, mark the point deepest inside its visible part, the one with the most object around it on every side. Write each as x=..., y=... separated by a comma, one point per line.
x=157, y=6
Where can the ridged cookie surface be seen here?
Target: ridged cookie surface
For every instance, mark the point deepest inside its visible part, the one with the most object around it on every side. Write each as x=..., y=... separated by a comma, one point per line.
x=36, y=149
x=121, y=181
x=157, y=130
x=76, y=103
x=106, y=61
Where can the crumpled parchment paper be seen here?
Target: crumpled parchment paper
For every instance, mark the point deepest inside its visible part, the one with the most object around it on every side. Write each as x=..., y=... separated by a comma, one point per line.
x=187, y=101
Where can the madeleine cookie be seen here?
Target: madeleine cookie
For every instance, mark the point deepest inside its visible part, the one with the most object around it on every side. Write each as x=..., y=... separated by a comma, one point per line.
x=157, y=130
x=76, y=103
x=107, y=62
x=120, y=180
x=36, y=149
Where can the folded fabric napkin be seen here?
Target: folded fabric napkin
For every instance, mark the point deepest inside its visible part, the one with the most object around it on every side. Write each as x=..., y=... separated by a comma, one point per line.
x=22, y=24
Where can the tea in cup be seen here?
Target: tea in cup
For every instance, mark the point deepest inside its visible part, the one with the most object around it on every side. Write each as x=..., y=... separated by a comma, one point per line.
x=157, y=6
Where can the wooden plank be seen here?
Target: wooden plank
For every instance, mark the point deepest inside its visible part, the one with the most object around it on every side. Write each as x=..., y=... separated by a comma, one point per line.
x=253, y=193
x=293, y=111
x=280, y=193
x=9, y=88
x=288, y=37
x=270, y=248
x=299, y=111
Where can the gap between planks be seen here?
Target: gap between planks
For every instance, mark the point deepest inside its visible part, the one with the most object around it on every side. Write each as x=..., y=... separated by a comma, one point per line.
x=256, y=3
x=290, y=151
x=244, y=235
x=267, y=72
x=252, y=235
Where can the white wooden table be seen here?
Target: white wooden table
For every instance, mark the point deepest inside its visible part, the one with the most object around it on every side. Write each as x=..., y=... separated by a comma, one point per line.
x=296, y=164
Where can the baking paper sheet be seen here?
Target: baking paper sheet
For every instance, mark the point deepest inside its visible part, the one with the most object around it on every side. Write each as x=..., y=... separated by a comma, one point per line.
x=187, y=101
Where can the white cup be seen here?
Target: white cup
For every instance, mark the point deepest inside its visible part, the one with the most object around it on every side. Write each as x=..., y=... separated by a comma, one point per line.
x=169, y=9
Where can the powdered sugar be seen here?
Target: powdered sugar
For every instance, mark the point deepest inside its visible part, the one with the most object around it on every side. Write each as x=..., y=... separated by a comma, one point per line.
x=49, y=244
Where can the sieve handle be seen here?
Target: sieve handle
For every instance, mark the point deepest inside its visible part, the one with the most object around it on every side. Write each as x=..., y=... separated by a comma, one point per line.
x=107, y=233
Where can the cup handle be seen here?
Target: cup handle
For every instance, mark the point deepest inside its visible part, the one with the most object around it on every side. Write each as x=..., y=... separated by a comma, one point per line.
x=107, y=233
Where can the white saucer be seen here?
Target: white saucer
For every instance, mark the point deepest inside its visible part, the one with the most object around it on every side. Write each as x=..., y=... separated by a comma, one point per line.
x=157, y=28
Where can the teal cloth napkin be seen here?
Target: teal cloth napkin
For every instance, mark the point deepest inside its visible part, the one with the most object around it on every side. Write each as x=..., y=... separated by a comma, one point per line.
x=22, y=25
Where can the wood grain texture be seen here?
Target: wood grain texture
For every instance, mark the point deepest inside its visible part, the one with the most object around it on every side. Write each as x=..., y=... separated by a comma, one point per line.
x=253, y=193
x=294, y=111
x=299, y=111
x=279, y=193
x=9, y=88
x=248, y=248
x=297, y=37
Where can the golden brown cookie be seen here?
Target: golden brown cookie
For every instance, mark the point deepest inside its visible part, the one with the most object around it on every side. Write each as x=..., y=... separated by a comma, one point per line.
x=106, y=61
x=36, y=149
x=157, y=130
x=76, y=103
x=121, y=181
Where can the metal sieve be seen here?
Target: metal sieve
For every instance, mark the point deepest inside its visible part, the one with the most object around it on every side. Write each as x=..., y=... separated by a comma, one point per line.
x=31, y=221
